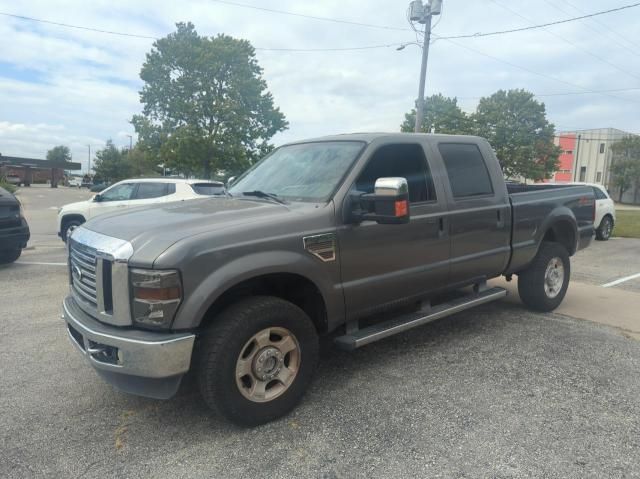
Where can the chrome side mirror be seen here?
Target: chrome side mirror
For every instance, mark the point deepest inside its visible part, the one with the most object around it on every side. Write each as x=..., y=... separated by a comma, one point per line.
x=388, y=204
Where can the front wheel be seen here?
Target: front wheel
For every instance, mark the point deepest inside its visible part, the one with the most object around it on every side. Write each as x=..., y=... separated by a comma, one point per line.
x=543, y=285
x=256, y=360
x=9, y=256
x=603, y=233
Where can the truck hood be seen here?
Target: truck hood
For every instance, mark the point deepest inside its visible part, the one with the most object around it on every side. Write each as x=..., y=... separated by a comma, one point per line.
x=153, y=229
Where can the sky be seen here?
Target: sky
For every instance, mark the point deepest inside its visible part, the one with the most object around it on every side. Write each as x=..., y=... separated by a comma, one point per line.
x=77, y=88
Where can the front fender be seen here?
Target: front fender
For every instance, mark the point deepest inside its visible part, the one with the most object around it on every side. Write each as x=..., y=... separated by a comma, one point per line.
x=246, y=267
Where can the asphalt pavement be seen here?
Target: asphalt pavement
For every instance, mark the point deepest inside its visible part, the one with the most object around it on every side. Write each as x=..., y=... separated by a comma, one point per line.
x=497, y=391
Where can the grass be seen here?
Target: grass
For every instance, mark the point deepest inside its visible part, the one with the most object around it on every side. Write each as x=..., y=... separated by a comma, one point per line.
x=627, y=224
x=7, y=186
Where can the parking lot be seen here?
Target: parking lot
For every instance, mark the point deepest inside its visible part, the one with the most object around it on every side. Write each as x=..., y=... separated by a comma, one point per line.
x=497, y=391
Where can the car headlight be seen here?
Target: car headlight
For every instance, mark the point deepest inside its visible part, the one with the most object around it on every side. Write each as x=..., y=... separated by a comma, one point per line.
x=156, y=295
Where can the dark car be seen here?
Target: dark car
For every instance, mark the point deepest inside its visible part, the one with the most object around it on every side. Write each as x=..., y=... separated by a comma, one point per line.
x=14, y=231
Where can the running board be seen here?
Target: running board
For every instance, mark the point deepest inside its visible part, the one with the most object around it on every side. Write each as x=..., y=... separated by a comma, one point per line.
x=405, y=322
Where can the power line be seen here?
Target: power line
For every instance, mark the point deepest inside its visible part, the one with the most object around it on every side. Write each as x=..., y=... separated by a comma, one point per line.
x=78, y=27
x=528, y=70
x=311, y=17
x=568, y=93
x=588, y=52
x=542, y=25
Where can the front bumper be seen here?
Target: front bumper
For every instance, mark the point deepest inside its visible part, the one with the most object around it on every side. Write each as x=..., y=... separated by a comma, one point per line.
x=15, y=237
x=139, y=362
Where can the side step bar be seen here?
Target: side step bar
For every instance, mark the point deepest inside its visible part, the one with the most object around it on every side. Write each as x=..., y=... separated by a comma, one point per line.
x=405, y=322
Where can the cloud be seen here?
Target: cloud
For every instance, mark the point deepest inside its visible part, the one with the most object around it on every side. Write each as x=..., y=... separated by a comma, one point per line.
x=69, y=86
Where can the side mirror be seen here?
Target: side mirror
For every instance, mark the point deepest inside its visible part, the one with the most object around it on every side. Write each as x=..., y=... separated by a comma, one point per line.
x=387, y=205
x=97, y=198
x=230, y=181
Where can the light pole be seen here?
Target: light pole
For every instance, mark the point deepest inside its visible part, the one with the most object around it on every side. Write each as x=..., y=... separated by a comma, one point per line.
x=89, y=167
x=130, y=142
x=422, y=14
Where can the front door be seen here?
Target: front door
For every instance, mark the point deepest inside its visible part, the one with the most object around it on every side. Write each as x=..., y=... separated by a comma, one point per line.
x=383, y=265
x=113, y=199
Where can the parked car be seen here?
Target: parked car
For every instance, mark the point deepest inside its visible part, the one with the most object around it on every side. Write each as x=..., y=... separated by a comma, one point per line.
x=131, y=193
x=14, y=180
x=74, y=182
x=605, y=218
x=14, y=230
x=318, y=238
x=86, y=182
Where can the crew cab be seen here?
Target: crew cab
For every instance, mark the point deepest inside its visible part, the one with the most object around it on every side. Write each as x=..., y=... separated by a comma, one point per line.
x=14, y=230
x=133, y=193
x=355, y=236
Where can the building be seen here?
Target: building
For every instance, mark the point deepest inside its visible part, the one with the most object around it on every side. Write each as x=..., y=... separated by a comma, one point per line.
x=586, y=155
x=31, y=170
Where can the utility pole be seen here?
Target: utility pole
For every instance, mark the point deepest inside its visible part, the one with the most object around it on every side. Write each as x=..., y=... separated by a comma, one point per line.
x=422, y=14
x=130, y=142
x=89, y=169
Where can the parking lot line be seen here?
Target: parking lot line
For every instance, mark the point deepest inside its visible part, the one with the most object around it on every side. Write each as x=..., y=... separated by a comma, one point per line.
x=621, y=280
x=41, y=264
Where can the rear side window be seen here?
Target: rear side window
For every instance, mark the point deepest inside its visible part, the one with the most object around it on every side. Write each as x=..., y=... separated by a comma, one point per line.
x=208, y=189
x=467, y=171
x=599, y=194
x=151, y=190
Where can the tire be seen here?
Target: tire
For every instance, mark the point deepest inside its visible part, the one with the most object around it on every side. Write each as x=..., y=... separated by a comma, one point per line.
x=603, y=233
x=539, y=286
x=68, y=226
x=9, y=256
x=232, y=337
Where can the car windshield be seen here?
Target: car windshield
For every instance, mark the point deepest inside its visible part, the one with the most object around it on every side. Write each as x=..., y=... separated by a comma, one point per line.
x=305, y=172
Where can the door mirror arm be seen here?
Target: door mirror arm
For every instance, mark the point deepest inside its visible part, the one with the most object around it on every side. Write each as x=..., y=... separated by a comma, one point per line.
x=389, y=204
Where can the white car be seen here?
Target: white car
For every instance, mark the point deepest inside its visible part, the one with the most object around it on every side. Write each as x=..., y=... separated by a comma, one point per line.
x=605, y=211
x=133, y=193
x=74, y=182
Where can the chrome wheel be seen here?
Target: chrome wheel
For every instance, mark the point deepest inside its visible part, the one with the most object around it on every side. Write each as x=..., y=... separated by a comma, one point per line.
x=606, y=228
x=268, y=364
x=554, y=277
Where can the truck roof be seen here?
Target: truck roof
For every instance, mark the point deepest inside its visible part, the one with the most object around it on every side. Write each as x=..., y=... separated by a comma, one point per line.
x=369, y=137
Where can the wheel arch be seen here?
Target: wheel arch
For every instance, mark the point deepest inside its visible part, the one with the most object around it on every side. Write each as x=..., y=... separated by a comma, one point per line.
x=563, y=231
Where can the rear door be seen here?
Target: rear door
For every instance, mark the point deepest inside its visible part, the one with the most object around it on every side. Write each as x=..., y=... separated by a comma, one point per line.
x=148, y=193
x=479, y=211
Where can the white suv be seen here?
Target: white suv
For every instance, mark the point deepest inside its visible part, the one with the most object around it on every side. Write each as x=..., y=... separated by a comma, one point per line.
x=132, y=193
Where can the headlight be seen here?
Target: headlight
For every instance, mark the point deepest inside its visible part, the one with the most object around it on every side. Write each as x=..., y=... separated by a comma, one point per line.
x=156, y=296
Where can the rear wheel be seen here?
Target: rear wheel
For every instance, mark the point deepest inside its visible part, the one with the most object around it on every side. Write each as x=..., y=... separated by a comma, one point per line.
x=543, y=285
x=603, y=233
x=257, y=359
x=9, y=256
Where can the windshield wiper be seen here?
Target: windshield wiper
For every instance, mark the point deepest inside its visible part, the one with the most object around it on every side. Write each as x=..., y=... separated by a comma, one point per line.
x=262, y=194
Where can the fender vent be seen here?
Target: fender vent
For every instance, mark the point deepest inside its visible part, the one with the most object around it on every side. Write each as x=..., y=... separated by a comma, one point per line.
x=322, y=246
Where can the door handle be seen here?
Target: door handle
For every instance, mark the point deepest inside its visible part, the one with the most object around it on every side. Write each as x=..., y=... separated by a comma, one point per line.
x=440, y=227
x=500, y=221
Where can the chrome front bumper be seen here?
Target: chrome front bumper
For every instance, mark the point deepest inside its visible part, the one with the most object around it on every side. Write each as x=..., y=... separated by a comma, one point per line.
x=139, y=362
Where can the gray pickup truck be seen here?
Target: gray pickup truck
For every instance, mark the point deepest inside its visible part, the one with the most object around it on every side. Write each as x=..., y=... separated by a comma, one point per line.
x=355, y=236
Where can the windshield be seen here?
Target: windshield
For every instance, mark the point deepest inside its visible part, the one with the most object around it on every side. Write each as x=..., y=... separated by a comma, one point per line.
x=306, y=172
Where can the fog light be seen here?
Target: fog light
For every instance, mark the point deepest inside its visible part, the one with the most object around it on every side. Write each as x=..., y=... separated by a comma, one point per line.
x=156, y=296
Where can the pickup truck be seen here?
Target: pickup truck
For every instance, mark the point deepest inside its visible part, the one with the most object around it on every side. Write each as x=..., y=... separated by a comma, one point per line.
x=355, y=236
x=14, y=230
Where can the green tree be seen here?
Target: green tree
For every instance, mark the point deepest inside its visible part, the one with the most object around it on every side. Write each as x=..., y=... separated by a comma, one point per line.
x=59, y=154
x=517, y=128
x=625, y=166
x=442, y=114
x=111, y=163
x=205, y=104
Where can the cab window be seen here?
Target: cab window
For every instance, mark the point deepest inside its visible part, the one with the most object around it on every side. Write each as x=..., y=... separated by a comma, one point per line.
x=404, y=161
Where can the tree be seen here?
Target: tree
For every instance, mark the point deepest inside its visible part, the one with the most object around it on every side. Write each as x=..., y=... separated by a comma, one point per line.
x=111, y=163
x=205, y=104
x=625, y=166
x=442, y=114
x=517, y=128
x=59, y=154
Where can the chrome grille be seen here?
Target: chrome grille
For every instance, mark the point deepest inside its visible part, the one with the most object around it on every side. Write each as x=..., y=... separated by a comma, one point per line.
x=83, y=267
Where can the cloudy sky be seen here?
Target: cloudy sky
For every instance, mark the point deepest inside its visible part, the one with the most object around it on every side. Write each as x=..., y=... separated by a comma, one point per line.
x=75, y=87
